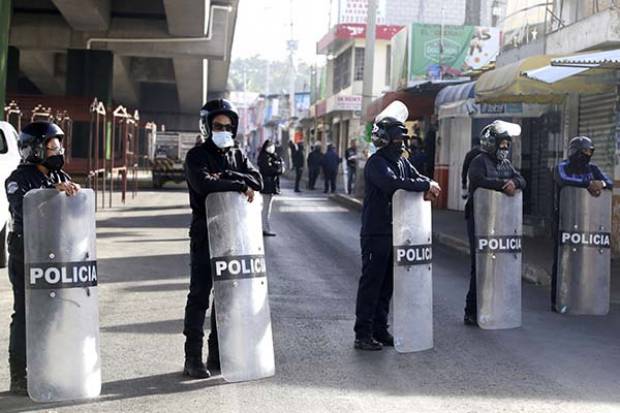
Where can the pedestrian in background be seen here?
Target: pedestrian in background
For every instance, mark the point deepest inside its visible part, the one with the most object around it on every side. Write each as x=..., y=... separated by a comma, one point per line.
x=330, y=164
x=351, y=157
x=270, y=166
x=297, y=158
x=315, y=158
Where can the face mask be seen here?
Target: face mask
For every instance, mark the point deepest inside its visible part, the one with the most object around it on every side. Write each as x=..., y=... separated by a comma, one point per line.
x=270, y=149
x=394, y=150
x=372, y=148
x=582, y=159
x=54, y=163
x=502, y=154
x=223, y=139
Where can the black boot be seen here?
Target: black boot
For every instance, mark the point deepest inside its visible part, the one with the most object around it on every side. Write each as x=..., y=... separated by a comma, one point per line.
x=367, y=344
x=470, y=320
x=195, y=368
x=384, y=338
x=213, y=358
x=19, y=383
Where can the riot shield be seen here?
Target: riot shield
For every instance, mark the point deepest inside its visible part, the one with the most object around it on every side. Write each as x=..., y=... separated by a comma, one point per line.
x=62, y=316
x=413, y=284
x=240, y=286
x=498, y=218
x=584, y=252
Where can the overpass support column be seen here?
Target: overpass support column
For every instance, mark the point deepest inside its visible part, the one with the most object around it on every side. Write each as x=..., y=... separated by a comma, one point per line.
x=90, y=73
x=5, y=22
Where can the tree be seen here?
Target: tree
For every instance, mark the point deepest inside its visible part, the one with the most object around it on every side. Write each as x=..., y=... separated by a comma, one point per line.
x=256, y=75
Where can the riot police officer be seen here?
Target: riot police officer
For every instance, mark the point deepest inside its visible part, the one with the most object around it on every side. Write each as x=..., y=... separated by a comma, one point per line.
x=40, y=145
x=579, y=172
x=491, y=169
x=385, y=172
x=215, y=166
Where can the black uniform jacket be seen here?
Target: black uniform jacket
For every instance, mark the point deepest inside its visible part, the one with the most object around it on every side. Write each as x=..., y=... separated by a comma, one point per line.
x=24, y=179
x=475, y=151
x=201, y=164
x=486, y=172
x=384, y=176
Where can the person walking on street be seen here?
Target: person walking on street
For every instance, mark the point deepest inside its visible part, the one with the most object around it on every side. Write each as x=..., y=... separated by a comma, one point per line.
x=330, y=164
x=315, y=158
x=215, y=166
x=351, y=157
x=386, y=171
x=297, y=158
x=492, y=170
x=271, y=166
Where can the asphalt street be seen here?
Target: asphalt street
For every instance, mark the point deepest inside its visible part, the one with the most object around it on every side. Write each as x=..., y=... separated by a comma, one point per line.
x=553, y=363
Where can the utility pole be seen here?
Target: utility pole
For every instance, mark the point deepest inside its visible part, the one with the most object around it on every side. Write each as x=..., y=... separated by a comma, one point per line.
x=367, y=87
x=292, y=48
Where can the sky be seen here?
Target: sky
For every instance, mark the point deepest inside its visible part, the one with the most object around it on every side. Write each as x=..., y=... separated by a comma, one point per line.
x=263, y=28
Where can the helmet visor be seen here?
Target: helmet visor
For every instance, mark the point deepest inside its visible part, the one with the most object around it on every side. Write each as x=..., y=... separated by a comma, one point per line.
x=507, y=128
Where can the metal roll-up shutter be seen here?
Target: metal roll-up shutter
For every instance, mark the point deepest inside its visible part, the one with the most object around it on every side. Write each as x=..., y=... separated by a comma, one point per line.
x=597, y=120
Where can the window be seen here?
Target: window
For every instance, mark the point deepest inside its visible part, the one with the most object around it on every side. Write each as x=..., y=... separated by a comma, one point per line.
x=342, y=71
x=359, y=63
x=388, y=65
x=4, y=147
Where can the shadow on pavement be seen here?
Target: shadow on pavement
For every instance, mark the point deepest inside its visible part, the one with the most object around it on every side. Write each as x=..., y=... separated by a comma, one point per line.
x=143, y=268
x=117, y=390
x=157, y=287
x=162, y=221
x=153, y=327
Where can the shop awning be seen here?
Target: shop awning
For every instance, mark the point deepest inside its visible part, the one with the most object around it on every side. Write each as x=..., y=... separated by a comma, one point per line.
x=608, y=59
x=418, y=105
x=454, y=94
x=509, y=84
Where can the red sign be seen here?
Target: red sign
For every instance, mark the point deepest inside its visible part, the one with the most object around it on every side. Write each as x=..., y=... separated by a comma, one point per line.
x=355, y=31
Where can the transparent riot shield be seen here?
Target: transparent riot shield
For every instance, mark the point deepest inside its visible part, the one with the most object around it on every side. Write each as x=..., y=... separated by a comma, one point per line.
x=584, y=252
x=240, y=286
x=413, y=283
x=62, y=317
x=498, y=219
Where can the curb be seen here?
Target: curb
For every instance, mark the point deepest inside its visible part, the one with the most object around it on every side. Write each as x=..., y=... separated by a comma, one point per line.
x=532, y=274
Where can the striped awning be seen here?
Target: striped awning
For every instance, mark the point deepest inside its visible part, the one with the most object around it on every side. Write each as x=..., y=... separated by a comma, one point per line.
x=455, y=93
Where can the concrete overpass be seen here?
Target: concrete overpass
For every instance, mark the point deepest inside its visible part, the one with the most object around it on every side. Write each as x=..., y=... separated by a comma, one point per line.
x=163, y=57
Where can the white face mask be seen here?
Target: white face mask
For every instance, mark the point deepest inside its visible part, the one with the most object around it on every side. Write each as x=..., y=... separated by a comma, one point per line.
x=223, y=139
x=270, y=149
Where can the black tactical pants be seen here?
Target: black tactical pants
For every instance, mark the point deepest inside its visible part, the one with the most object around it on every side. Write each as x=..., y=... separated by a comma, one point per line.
x=17, y=339
x=375, y=286
x=470, y=301
x=197, y=305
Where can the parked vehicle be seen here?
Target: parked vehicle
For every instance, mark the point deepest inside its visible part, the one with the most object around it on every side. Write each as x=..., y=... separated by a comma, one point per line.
x=170, y=151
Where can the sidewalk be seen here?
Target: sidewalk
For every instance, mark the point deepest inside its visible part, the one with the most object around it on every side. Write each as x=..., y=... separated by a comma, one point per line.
x=449, y=229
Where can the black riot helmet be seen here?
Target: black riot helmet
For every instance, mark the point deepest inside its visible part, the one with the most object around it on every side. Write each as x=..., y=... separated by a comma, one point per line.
x=217, y=107
x=33, y=138
x=579, y=144
x=386, y=130
x=491, y=135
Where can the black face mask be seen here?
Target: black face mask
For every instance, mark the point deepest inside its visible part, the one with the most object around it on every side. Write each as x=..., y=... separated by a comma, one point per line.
x=581, y=159
x=393, y=150
x=54, y=163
